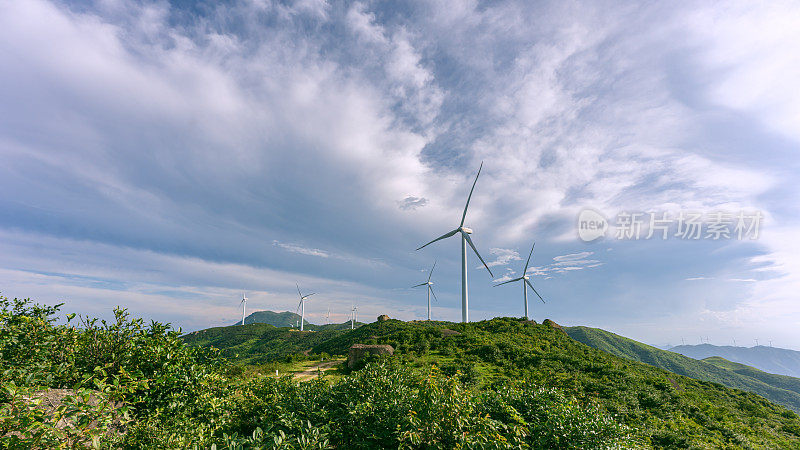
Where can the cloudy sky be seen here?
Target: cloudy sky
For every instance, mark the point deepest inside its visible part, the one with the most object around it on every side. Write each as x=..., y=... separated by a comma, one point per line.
x=166, y=156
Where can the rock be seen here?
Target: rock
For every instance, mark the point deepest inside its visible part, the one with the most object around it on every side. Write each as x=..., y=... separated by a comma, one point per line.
x=360, y=351
x=383, y=318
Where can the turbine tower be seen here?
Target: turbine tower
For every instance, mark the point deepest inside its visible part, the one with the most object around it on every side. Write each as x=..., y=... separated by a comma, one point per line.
x=302, y=305
x=465, y=239
x=429, y=284
x=328, y=316
x=526, y=283
x=244, y=306
x=353, y=317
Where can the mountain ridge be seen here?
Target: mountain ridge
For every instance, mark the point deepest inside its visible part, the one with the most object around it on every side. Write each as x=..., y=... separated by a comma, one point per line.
x=777, y=388
x=779, y=361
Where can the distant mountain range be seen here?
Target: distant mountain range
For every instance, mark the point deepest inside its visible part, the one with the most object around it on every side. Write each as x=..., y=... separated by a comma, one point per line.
x=775, y=360
x=781, y=389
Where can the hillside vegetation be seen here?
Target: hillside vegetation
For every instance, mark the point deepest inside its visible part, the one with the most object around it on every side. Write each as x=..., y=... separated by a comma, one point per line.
x=780, y=381
x=260, y=343
x=503, y=383
x=780, y=389
x=662, y=409
x=775, y=360
x=131, y=385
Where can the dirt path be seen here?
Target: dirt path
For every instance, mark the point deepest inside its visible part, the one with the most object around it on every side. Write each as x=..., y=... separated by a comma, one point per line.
x=312, y=372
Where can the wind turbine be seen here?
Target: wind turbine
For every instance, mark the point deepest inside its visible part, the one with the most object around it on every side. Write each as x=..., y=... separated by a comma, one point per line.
x=526, y=282
x=328, y=316
x=429, y=284
x=244, y=306
x=353, y=317
x=302, y=305
x=465, y=239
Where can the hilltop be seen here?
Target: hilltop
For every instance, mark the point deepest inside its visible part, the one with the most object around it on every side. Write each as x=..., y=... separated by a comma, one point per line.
x=289, y=319
x=277, y=319
x=775, y=360
x=260, y=342
x=662, y=408
x=779, y=389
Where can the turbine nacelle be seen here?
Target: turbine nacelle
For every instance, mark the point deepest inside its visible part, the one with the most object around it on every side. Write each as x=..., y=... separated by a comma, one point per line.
x=465, y=230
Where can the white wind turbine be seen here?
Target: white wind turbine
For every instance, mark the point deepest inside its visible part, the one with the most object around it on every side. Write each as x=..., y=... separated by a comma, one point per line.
x=353, y=316
x=302, y=305
x=465, y=239
x=525, y=281
x=244, y=306
x=429, y=284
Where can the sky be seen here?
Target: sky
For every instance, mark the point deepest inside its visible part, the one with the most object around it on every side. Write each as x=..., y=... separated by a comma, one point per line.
x=168, y=157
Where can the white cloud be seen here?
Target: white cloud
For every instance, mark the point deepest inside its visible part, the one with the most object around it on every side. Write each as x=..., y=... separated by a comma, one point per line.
x=294, y=248
x=752, y=50
x=572, y=256
x=566, y=263
x=503, y=257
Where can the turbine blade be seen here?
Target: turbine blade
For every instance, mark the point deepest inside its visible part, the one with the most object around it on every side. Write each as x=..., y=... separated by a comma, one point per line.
x=309, y=295
x=469, y=241
x=430, y=274
x=534, y=291
x=447, y=235
x=529, y=259
x=434, y=294
x=298, y=290
x=418, y=285
x=506, y=282
x=464, y=216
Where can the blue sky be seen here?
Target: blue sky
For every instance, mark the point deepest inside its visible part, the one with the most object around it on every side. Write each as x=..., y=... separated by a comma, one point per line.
x=168, y=156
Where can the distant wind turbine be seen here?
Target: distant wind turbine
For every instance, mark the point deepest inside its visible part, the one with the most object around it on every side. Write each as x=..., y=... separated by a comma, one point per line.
x=429, y=284
x=353, y=317
x=526, y=282
x=244, y=306
x=465, y=239
x=328, y=316
x=302, y=305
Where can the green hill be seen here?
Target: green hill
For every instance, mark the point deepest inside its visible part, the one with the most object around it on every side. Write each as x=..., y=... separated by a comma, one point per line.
x=289, y=320
x=278, y=319
x=663, y=409
x=257, y=343
x=769, y=359
x=780, y=389
x=781, y=381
